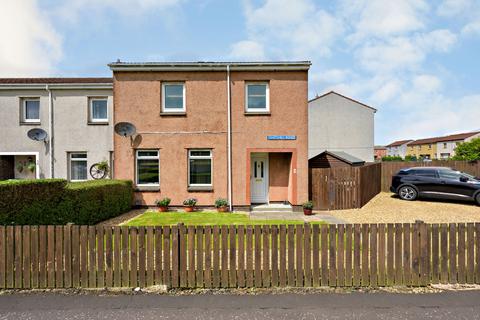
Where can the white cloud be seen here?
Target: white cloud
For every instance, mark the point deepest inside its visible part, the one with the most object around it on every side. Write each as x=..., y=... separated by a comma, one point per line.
x=472, y=28
x=330, y=76
x=441, y=40
x=380, y=18
x=426, y=83
x=291, y=30
x=450, y=8
x=71, y=9
x=30, y=45
x=247, y=50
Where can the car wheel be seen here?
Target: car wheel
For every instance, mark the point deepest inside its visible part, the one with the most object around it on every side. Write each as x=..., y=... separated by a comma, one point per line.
x=477, y=199
x=407, y=193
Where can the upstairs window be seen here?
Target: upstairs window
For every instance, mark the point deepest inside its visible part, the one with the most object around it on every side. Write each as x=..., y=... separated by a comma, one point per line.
x=78, y=166
x=173, y=97
x=98, y=110
x=257, y=97
x=199, y=167
x=148, y=173
x=31, y=110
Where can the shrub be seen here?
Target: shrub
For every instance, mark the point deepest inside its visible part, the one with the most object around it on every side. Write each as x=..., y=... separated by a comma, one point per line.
x=392, y=158
x=163, y=203
x=31, y=201
x=221, y=202
x=190, y=202
x=308, y=205
x=54, y=201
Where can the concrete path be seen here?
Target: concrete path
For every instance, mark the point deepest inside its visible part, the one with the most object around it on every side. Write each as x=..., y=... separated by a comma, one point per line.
x=295, y=216
x=447, y=305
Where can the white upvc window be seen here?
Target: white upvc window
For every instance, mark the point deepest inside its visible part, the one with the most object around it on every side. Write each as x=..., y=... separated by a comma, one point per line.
x=200, y=168
x=173, y=97
x=31, y=110
x=257, y=97
x=78, y=166
x=147, y=168
x=98, y=109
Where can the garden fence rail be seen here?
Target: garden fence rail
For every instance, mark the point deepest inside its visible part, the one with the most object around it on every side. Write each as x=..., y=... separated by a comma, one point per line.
x=359, y=255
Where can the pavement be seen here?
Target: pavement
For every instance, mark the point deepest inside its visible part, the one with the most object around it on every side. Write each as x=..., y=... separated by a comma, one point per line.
x=357, y=305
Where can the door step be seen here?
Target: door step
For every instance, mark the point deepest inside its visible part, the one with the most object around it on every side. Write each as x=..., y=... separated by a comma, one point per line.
x=273, y=207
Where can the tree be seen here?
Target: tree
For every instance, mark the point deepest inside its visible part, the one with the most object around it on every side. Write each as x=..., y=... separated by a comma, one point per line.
x=468, y=151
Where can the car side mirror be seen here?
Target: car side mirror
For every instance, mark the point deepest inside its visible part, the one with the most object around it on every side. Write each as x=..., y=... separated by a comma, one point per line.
x=463, y=179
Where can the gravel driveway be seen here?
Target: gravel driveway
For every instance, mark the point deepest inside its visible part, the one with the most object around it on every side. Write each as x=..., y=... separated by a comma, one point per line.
x=387, y=208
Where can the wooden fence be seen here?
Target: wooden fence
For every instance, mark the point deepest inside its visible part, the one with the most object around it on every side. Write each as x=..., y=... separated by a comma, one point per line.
x=239, y=256
x=344, y=188
x=391, y=168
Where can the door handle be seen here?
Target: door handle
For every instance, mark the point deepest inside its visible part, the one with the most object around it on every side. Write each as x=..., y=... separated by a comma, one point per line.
x=442, y=182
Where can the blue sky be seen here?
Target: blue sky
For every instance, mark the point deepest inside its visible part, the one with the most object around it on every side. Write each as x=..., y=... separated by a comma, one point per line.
x=416, y=61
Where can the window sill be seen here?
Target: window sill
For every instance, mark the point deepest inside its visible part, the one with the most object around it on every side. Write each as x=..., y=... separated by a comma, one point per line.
x=257, y=113
x=98, y=123
x=178, y=114
x=200, y=188
x=29, y=123
x=147, y=188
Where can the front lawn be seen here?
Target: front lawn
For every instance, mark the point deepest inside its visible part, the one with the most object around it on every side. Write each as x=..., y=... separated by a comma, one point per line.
x=153, y=218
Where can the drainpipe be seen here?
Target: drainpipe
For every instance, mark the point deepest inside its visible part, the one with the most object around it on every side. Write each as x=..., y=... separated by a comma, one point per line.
x=50, y=129
x=229, y=140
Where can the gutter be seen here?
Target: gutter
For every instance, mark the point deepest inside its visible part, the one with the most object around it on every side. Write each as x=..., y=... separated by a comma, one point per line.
x=99, y=86
x=50, y=130
x=229, y=140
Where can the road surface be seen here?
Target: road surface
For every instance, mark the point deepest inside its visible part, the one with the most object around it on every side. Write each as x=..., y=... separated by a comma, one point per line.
x=447, y=305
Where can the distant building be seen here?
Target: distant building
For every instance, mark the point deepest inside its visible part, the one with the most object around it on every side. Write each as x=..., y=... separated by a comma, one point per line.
x=379, y=152
x=339, y=123
x=397, y=148
x=439, y=147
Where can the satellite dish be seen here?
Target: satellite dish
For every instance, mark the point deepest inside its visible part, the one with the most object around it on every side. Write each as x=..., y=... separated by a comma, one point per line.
x=37, y=134
x=125, y=129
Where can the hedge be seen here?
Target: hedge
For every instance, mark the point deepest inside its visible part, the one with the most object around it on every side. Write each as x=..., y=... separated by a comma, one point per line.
x=54, y=201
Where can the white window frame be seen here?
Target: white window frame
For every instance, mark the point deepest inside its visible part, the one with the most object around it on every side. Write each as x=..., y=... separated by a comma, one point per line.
x=70, y=160
x=267, y=97
x=90, y=106
x=176, y=110
x=157, y=157
x=24, y=110
x=210, y=157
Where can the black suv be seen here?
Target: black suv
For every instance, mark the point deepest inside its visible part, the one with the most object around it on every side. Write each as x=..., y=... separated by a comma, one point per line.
x=435, y=182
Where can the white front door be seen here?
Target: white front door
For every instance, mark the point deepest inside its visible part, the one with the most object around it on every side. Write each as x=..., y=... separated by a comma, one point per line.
x=259, y=178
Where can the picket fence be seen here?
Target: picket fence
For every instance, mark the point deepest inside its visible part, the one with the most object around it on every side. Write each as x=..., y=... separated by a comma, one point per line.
x=178, y=256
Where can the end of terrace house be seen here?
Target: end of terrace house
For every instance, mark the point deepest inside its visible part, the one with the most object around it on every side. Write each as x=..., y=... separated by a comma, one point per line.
x=208, y=130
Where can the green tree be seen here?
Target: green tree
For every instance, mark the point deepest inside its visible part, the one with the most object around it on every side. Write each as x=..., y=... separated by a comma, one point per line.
x=468, y=151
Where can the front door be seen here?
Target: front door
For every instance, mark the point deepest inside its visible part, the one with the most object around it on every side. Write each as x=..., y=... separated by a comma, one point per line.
x=259, y=178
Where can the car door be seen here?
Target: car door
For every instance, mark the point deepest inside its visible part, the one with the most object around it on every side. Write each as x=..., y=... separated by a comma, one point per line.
x=426, y=180
x=451, y=183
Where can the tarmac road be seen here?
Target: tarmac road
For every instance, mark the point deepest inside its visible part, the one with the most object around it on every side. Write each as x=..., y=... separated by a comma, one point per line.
x=446, y=305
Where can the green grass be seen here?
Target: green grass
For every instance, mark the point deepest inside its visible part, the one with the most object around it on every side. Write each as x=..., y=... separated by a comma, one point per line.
x=153, y=218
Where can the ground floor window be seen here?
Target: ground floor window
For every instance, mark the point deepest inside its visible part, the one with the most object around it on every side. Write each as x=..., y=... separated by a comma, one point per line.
x=148, y=164
x=200, y=167
x=78, y=166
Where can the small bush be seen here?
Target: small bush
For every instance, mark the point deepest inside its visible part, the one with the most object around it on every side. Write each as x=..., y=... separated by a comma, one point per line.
x=308, y=205
x=163, y=203
x=190, y=202
x=221, y=202
x=392, y=158
x=54, y=201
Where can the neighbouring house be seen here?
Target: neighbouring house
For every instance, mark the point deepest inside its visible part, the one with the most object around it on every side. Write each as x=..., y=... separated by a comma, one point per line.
x=439, y=147
x=334, y=159
x=75, y=113
x=398, y=148
x=446, y=145
x=340, y=123
x=207, y=130
x=379, y=152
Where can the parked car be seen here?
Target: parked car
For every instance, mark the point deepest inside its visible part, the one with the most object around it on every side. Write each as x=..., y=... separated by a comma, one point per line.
x=435, y=182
